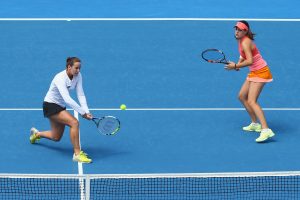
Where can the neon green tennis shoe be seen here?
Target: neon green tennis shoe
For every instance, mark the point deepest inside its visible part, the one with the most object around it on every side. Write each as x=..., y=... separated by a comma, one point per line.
x=81, y=157
x=33, y=135
x=265, y=134
x=253, y=127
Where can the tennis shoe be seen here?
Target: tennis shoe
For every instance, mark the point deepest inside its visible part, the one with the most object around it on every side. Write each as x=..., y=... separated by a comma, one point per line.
x=264, y=135
x=253, y=127
x=33, y=135
x=82, y=157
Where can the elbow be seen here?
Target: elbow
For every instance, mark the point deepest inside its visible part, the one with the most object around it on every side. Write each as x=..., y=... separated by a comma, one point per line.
x=68, y=100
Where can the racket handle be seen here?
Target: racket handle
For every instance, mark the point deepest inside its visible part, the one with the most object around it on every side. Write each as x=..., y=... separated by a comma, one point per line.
x=94, y=119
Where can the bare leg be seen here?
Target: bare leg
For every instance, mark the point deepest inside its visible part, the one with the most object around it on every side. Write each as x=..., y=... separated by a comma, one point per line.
x=56, y=132
x=243, y=97
x=253, y=94
x=58, y=123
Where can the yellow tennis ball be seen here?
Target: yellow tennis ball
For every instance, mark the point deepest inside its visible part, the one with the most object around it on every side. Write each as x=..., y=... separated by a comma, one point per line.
x=123, y=107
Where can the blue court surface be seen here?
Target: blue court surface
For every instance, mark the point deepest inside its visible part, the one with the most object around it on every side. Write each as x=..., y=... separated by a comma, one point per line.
x=149, y=9
x=183, y=114
x=149, y=64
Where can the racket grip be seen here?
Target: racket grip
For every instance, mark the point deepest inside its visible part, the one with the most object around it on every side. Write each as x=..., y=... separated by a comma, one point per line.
x=94, y=119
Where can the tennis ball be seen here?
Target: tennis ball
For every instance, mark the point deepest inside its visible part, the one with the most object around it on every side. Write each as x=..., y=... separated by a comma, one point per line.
x=123, y=107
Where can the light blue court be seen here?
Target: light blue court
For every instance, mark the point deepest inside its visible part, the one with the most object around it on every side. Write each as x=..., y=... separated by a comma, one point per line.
x=148, y=64
x=158, y=142
x=183, y=114
x=150, y=9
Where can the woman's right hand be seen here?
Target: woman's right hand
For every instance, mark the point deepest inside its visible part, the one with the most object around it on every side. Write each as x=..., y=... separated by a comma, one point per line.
x=230, y=66
x=88, y=116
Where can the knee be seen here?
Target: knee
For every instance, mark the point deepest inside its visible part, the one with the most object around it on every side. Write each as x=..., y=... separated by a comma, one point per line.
x=242, y=98
x=251, y=102
x=56, y=138
x=74, y=123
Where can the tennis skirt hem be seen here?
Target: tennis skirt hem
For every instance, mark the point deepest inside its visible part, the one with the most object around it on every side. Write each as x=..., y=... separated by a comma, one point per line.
x=50, y=109
x=259, y=80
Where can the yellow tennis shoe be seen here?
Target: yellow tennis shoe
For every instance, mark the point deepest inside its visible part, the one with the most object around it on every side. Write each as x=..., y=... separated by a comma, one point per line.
x=81, y=157
x=253, y=127
x=265, y=134
x=33, y=135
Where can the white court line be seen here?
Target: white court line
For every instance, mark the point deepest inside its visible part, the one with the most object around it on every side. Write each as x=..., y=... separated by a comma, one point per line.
x=153, y=19
x=158, y=109
x=80, y=168
x=193, y=109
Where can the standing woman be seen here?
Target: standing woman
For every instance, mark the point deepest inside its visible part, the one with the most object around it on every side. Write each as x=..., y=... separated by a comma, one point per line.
x=259, y=75
x=54, y=108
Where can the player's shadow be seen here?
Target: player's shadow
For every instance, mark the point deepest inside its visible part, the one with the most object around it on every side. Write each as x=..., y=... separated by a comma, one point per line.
x=96, y=153
x=100, y=153
x=280, y=128
x=60, y=148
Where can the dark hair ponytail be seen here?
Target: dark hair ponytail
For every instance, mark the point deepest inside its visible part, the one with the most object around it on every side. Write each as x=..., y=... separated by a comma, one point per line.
x=249, y=33
x=72, y=60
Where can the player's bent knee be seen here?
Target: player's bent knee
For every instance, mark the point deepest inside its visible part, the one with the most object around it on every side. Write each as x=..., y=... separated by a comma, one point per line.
x=56, y=139
x=74, y=123
x=242, y=98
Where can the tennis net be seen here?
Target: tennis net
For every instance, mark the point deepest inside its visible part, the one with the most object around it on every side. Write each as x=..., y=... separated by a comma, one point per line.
x=260, y=186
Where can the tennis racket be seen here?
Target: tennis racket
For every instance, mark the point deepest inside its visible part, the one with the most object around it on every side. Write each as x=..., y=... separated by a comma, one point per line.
x=107, y=125
x=214, y=56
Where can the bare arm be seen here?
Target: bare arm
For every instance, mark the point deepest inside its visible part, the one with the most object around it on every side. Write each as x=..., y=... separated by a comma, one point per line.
x=247, y=47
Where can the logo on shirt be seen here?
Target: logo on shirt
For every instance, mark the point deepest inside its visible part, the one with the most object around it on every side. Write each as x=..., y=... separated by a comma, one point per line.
x=69, y=84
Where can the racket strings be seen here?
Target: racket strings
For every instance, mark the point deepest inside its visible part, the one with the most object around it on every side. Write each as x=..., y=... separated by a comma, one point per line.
x=108, y=126
x=213, y=56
